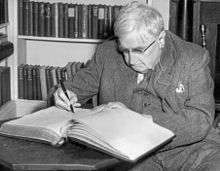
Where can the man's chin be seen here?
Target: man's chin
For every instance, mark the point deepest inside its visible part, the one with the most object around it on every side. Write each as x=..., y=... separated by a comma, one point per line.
x=140, y=70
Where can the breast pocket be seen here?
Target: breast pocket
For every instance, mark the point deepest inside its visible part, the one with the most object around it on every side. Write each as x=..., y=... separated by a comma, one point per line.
x=177, y=95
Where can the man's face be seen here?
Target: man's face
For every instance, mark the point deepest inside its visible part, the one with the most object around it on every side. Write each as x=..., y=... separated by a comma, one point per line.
x=138, y=54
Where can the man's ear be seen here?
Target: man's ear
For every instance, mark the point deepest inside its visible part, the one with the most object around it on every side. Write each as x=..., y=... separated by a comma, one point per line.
x=162, y=39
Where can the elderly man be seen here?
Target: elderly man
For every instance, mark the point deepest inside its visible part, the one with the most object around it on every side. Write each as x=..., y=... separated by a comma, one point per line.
x=154, y=72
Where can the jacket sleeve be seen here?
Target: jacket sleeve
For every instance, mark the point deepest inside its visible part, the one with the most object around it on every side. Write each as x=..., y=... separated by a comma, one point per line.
x=86, y=81
x=192, y=122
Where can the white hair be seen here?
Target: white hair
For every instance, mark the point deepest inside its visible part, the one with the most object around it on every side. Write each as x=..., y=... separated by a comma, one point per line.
x=138, y=17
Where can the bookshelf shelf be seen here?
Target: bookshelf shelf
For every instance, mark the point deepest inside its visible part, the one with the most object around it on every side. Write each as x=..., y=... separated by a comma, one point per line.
x=3, y=25
x=55, y=39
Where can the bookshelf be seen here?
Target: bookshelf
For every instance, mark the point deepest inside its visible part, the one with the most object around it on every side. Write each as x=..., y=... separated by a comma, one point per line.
x=41, y=50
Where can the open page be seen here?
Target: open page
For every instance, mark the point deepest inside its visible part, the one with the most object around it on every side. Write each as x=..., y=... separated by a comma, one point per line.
x=47, y=125
x=122, y=132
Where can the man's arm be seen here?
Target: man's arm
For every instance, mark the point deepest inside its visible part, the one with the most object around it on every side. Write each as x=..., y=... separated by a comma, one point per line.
x=85, y=83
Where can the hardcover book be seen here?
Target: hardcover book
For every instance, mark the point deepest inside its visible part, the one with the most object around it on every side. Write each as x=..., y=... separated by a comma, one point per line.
x=120, y=132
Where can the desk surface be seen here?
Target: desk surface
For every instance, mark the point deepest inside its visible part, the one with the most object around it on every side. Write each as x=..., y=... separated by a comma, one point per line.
x=19, y=154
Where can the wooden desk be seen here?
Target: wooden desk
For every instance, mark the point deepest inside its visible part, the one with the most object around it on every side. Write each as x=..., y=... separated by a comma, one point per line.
x=17, y=154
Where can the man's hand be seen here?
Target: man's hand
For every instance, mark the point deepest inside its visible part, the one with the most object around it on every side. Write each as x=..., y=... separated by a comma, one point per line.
x=63, y=102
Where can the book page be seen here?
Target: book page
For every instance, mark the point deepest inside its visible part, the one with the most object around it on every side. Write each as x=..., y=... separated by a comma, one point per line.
x=127, y=131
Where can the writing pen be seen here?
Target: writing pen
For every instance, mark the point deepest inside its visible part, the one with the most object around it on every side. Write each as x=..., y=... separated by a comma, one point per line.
x=65, y=92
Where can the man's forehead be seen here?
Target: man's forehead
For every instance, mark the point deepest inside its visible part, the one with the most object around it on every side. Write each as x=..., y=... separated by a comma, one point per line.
x=133, y=43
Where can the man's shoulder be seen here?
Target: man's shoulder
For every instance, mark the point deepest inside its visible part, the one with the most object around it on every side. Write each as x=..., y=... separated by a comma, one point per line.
x=110, y=44
x=190, y=53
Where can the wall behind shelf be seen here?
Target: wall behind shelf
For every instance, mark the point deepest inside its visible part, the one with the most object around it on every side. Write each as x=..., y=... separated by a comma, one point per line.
x=57, y=53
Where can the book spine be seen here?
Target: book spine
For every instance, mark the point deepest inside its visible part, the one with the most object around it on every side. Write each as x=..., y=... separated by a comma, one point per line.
x=105, y=32
x=35, y=18
x=47, y=19
x=90, y=21
x=26, y=17
x=41, y=19
x=80, y=20
x=110, y=21
x=30, y=19
x=1, y=85
x=84, y=21
x=60, y=20
x=21, y=81
x=54, y=20
x=71, y=20
x=101, y=22
x=34, y=78
x=94, y=21
x=5, y=11
x=20, y=17
x=25, y=81
x=6, y=83
x=39, y=93
x=29, y=83
x=43, y=82
x=76, y=28
x=65, y=20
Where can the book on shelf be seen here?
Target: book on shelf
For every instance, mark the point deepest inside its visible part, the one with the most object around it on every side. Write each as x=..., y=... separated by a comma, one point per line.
x=5, y=92
x=119, y=132
x=65, y=20
x=3, y=11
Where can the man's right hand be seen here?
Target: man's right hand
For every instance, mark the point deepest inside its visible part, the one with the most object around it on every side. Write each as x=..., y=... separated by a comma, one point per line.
x=63, y=102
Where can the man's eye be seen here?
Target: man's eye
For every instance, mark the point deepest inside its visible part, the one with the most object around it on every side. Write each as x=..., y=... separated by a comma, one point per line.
x=125, y=51
x=138, y=51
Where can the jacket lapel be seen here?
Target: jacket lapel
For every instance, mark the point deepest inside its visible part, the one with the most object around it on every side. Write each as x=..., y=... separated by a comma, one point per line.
x=164, y=69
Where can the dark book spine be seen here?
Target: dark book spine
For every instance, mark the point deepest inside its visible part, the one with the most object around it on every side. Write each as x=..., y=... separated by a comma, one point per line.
x=3, y=80
x=25, y=83
x=71, y=20
x=60, y=20
x=1, y=85
x=6, y=11
x=30, y=19
x=110, y=21
x=26, y=17
x=20, y=81
x=53, y=19
x=8, y=83
x=20, y=17
x=41, y=19
x=101, y=21
x=35, y=18
x=76, y=28
x=29, y=83
x=84, y=21
x=90, y=21
x=94, y=21
x=105, y=32
x=1, y=12
x=65, y=20
x=48, y=19
x=34, y=82
x=80, y=20
x=39, y=93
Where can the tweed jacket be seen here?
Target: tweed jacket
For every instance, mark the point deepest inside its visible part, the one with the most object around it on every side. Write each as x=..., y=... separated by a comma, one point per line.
x=178, y=94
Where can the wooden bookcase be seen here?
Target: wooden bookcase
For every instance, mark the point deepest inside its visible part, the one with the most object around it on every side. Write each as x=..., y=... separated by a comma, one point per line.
x=57, y=51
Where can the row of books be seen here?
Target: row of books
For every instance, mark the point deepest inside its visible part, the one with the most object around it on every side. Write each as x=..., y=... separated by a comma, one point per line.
x=66, y=20
x=35, y=81
x=3, y=11
x=5, y=92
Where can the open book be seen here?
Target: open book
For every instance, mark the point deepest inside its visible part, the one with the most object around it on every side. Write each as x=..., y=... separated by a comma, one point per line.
x=120, y=132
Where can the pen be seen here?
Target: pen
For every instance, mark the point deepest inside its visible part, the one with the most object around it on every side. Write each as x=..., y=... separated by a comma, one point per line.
x=65, y=92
